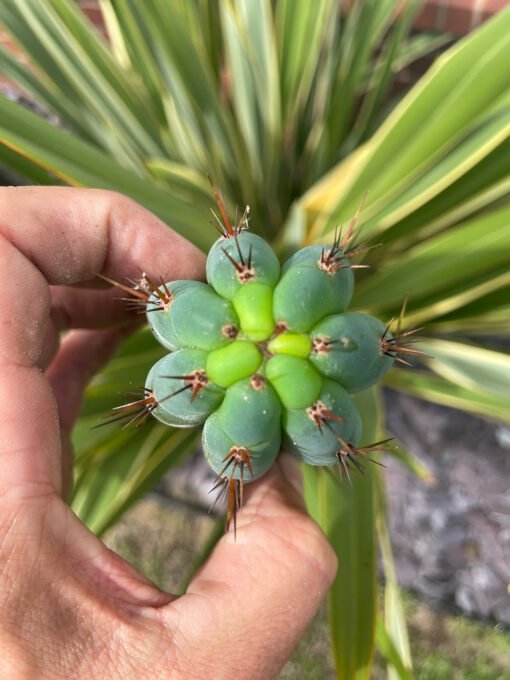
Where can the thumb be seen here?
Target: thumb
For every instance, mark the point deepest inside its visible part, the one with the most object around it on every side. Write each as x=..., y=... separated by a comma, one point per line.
x=256, y=595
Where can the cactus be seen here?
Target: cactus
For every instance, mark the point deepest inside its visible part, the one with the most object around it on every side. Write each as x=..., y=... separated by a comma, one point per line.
x=264, y=356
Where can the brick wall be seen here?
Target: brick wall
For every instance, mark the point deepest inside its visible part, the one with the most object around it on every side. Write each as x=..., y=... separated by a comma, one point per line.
x=91, y=9
x=457, y=16
x=452, y=16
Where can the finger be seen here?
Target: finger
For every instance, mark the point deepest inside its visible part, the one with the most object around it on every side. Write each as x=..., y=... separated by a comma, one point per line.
x=82, y=354
x=70, y=236
x=61, y=236
x=82, y=308
x=86, y=308
x=249, y=605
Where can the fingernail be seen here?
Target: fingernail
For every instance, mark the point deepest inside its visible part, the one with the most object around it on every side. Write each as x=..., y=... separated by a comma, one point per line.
x=292, y=472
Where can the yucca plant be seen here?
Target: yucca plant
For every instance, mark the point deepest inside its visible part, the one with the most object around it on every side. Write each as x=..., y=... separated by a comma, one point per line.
x=291, y=107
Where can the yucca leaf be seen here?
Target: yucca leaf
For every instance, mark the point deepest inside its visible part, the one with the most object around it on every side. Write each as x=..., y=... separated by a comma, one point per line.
x=80, y=164
x=381, y=77
x=490, y=305
x=252, y=63
x=192, y=89
x=301, y=29
x=75, y=60
x=182, y=181
x=416, y=46
x=462, y=294
x=111, y=476
x=424, y=126
x=483, y=188
x=347, y=515
x=441, y=391
x=392, y=635
x=363, y=28
x=439, y=264
x=131, y=48
x=20, y=170
x=470, y=366
x=397, y=669
x=411, y=462
x=487, y=137
x=36, y=86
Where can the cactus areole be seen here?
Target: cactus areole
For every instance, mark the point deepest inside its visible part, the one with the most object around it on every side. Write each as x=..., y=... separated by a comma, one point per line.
x=265, y=357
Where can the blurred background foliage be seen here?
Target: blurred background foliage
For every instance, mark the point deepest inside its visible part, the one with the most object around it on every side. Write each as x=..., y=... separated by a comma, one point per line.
x=296, y=109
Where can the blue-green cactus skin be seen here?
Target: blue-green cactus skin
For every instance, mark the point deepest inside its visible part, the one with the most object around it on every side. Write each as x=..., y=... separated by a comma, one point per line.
x=306, y=294
x=354, y=359
x=318, y=446
x=159, y=319
x=181, y=410
x=223, y=276
x=309, y=256
x=196, y=317
x=217, y=446
x=251, y=413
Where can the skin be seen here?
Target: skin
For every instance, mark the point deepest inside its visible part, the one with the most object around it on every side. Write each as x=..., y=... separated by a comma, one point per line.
x=69, y=607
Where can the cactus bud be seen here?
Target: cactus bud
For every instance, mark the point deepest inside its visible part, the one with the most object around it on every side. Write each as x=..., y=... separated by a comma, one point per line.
x=295, y=380
x=254, y=306
x=227, y=365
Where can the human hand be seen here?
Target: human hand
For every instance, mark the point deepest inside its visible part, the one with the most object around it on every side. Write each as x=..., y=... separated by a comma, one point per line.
x=69, y=607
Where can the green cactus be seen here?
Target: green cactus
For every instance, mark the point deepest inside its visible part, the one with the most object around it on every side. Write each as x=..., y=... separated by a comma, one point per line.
x=178, y=404
x=314, y=284
x=231, y=263
x=260, y=357
x=347, y=348
x=193, y=315
x=336, y=418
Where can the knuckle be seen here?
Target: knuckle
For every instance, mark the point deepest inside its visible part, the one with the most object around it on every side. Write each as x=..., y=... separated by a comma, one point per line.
x=296, y=540
x=316, y=549
x=118, y=202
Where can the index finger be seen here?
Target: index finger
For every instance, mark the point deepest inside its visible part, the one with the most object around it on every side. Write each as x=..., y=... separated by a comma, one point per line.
x=71, y=235
x=62, y=236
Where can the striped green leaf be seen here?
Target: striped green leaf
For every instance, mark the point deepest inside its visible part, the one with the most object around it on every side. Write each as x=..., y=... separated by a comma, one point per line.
x=392, y=635
x=471, y=366
x=80, y=164
x=346, y=513
x=446, y=393
x=430, y=120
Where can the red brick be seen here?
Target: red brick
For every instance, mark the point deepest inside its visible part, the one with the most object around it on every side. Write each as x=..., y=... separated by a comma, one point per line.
x=457, y=16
